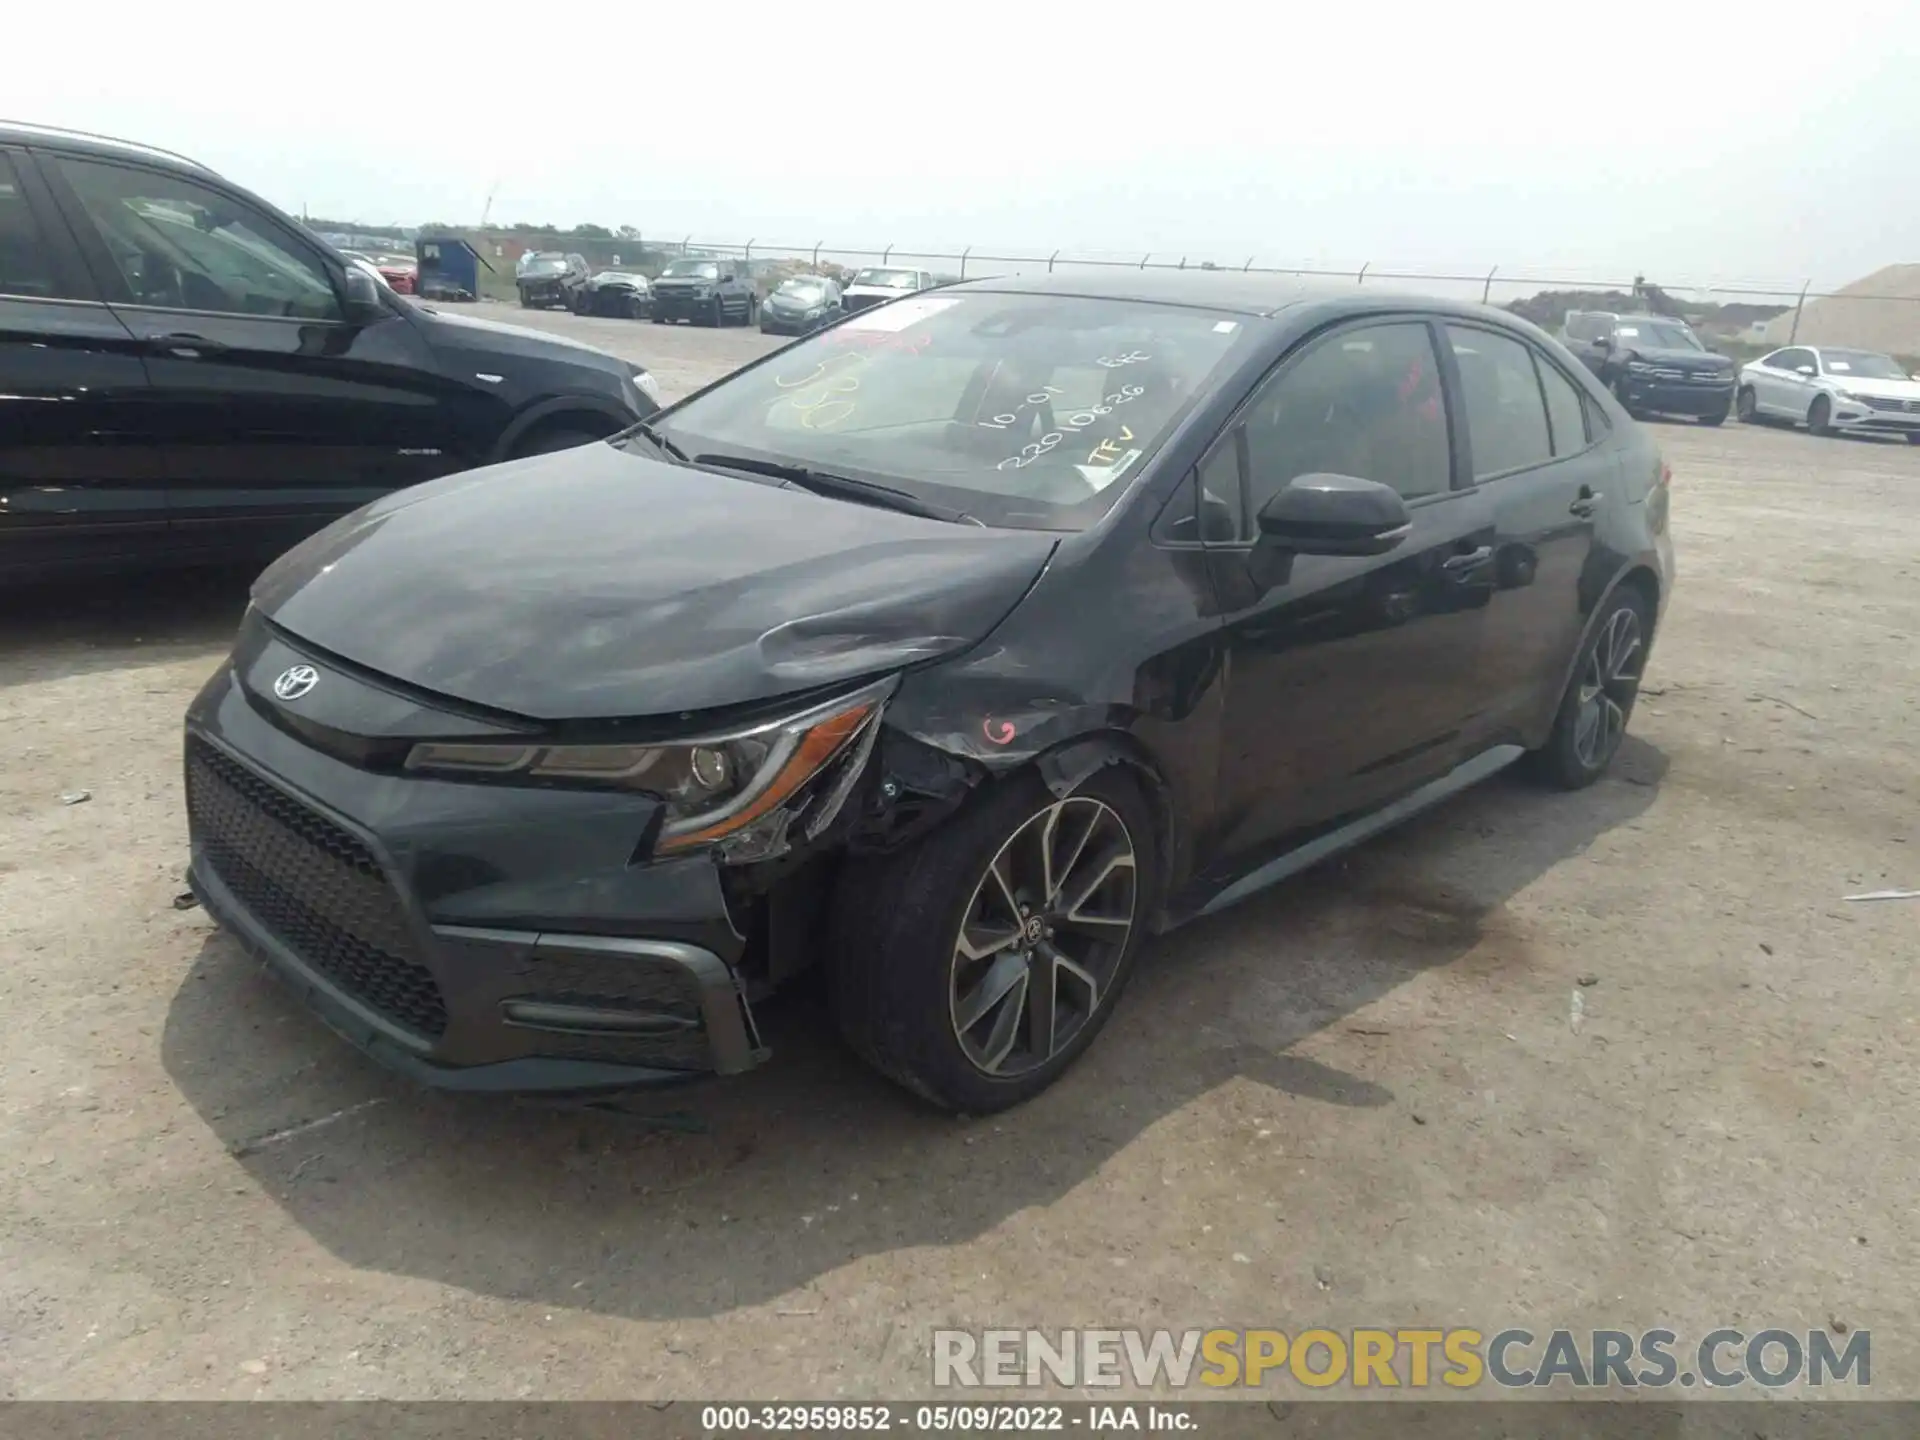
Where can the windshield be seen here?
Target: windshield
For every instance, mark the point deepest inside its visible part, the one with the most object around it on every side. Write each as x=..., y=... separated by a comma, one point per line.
x=1657, y=335
x=691, y=270
x=810, y=291
x=543, y=264
x=1861, y=365
x=607, y=277
x=1023, y=410
x=890, y=279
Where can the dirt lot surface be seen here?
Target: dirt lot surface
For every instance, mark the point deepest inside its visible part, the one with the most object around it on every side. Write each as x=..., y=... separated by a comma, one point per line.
x=1360, y=1099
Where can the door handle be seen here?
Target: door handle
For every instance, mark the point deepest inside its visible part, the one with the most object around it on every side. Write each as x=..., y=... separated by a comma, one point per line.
x=1472, y=560
x=1585, y=505
x=186, y=345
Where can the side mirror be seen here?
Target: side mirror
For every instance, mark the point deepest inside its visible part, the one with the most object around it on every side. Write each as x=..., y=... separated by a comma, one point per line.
x=1804, y=370
x=1335, y=515
x=364, y=302
x=1603, y=342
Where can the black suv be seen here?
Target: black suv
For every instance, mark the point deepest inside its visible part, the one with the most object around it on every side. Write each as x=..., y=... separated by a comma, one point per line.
x=546, y=278
x=1653, y=364
x=705, y=292
x=187, y=373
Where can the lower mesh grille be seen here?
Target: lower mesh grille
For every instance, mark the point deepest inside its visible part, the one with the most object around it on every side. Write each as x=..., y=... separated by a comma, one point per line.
x=314, y=886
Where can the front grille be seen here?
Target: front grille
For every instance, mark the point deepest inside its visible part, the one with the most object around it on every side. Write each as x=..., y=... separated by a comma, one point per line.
x=313, y=886
x=1888, y=402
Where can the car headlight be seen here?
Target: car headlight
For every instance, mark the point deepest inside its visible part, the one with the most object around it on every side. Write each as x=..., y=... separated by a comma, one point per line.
x=715, y=788
x=647, y=385
x=1848, y=396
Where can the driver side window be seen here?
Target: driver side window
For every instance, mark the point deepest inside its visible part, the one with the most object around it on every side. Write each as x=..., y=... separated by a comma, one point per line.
x=1364, y=402
x=181, y=246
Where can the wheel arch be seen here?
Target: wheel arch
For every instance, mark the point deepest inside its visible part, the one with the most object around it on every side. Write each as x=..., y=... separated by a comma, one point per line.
x=1068, y=765
x=560, y=412
x=1638, y=574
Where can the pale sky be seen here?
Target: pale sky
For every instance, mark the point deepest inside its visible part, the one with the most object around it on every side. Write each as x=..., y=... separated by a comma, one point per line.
x=1758, y=143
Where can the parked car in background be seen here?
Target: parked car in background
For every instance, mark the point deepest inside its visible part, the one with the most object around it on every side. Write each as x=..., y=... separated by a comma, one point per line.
x=1266, y=568
x=547, y=279
x=804, y=303
x=878, y=284
x=401, y=272
x=254, y=382
x=1830, y=388
x=624, y=294
x=1657, y=366
x=704, y=292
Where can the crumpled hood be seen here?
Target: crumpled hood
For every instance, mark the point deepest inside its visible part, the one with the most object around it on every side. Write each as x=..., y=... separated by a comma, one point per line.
x=1681, y=359
x=595, y=583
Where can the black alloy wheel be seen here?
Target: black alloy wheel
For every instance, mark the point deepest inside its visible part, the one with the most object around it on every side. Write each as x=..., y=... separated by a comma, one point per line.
x=975, y=966
x=1593, y=714
x=1036, y=950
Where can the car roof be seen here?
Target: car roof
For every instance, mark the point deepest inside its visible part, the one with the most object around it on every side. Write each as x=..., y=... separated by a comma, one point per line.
x=81, y=142
x=1243, y=292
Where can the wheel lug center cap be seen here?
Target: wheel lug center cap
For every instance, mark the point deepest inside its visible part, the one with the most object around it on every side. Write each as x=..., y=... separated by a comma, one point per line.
x=1033, y=929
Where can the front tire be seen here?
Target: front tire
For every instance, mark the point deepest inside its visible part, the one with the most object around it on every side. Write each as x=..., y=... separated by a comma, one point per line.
x=716, y=313
x=1820, y=416
x=1620, y=394
x=1746, y=405
x=1593, y=715
x=977, y=965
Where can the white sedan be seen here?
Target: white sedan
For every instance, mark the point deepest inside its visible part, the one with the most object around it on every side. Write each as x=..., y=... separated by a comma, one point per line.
x=1829, y=389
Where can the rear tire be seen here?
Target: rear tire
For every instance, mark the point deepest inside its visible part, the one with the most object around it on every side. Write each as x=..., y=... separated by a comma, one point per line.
x=1598, y=703
x=935, y=971
x=1820, y=416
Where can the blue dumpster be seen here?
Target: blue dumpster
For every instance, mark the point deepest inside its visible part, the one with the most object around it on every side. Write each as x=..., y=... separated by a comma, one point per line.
x=449, y=268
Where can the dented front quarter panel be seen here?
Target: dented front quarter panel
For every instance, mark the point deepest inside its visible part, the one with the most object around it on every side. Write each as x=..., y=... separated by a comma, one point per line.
x=1067, y=686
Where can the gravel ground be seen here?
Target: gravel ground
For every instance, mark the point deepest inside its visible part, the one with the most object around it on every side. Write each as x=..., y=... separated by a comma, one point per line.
x=1360, y=1099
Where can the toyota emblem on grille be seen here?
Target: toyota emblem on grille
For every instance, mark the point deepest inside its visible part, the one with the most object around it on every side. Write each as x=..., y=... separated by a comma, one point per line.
x=295, y=681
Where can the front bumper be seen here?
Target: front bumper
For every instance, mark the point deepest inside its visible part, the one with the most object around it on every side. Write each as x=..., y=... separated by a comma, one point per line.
x=543, y=292
x=776, y=324
x=669, y=305
x=1666, y=396
x=621, y=304
x=1882, y=419
x=475, y=937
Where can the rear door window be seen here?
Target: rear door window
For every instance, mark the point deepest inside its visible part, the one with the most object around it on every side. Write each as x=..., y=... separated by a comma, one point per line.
x=1500, y=391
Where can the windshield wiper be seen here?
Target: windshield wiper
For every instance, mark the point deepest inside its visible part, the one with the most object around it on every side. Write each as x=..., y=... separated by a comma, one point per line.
x=840, y=487
x=660, y=442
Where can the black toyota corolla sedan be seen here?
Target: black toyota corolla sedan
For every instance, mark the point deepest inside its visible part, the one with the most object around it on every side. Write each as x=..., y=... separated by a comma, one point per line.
x=958, y=648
